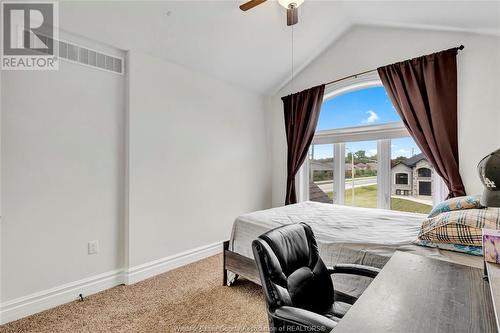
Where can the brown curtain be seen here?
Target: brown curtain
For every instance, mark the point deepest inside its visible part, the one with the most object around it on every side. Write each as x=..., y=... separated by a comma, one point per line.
x=424, y=92
x=301, y=116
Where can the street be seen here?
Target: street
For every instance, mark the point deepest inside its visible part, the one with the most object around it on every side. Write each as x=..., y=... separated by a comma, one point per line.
x=327, y=186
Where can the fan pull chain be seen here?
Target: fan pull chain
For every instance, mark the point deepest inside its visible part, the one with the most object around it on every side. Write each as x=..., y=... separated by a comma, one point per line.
x=291, y=84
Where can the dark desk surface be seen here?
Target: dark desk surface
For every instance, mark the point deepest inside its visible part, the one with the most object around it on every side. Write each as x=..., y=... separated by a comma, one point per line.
x=417, y=294
x=494, y=282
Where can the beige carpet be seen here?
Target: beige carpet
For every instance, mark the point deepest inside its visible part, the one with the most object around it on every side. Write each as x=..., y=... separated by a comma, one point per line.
x=188, y=299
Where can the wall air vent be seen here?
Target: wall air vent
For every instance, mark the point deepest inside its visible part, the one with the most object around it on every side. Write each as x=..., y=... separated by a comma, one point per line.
x=90, y=57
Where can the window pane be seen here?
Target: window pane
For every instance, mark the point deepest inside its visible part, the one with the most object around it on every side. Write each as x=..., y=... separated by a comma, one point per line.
x=411, y=187
x=402, y=178
x=321, y=173
x=361, y=174
x=424, y=172
x=357, y=108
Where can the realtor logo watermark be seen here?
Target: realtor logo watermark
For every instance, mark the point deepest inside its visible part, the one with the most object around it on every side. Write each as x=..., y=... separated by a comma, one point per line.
x=30, y=35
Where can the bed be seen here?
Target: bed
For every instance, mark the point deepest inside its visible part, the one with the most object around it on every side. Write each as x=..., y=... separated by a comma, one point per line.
x=344, y=235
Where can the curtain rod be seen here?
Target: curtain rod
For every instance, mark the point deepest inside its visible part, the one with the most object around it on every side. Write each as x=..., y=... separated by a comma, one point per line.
x=461, y=47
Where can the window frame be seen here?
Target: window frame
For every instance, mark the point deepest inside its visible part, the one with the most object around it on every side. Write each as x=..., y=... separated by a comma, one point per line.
x=381, y=133
x=403, y=173
x=426, y=168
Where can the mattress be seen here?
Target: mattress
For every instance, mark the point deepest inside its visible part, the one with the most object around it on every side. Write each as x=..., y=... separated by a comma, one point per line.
x=345, y=234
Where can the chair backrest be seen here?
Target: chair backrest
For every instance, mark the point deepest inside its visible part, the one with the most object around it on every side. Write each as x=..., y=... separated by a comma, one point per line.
x=291, y=270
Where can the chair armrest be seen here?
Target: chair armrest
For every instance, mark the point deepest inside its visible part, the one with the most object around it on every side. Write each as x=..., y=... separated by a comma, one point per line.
x=300, y=317
x=340, y=296
x=354, y=269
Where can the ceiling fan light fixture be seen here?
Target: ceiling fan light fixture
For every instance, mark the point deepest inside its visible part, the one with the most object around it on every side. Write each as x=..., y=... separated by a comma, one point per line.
x=291, y=3
x=292, y=16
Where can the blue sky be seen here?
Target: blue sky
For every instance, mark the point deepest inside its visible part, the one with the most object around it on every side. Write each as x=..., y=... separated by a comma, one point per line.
x=362, y=107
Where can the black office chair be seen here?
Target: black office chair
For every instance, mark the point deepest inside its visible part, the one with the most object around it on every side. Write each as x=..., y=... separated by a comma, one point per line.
x=297, y=284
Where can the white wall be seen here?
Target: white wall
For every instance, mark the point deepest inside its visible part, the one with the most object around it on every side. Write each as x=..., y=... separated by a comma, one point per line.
x=62, y=176
x=198, y=157
x=364, y=48
x=151, y=164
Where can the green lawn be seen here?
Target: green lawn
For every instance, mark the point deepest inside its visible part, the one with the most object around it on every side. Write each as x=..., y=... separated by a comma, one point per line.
x=410, y=206
x=366, y=196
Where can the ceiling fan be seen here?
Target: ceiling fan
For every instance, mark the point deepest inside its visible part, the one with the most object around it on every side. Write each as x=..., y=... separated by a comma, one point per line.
x=290, y=5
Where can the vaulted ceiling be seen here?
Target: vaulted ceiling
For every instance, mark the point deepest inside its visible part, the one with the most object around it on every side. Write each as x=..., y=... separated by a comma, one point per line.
x=253, y=49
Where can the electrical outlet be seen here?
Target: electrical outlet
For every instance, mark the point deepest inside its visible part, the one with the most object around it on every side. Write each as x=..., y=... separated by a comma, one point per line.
x=93, y=247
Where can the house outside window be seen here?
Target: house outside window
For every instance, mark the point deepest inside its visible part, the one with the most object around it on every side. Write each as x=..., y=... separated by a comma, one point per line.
x=420, y=173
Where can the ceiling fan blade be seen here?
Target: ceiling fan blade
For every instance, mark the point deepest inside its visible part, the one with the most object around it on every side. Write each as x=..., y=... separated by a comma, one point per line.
x=250, y=4
x=292, y=16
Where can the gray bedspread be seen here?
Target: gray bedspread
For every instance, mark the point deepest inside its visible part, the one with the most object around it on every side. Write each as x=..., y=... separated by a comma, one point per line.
x=345, y=235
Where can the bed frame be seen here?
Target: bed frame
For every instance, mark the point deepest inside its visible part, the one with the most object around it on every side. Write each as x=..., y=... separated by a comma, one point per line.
x=247, y=268
x=239, y=265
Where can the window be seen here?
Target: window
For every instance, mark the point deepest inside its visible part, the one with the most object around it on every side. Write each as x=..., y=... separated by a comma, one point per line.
x=361, y=174
x=321, y=173
x=405, y=156
x=362, y=155
x=401, y=178
x=364, y=108
x=424, y=173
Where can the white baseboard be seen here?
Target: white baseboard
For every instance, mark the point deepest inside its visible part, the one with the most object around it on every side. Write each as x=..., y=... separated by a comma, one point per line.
x=46, y=299
x=152, y=268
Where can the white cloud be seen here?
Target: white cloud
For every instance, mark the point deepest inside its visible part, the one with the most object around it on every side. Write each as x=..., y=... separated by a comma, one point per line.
x=401, y=152
x=372, y=117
